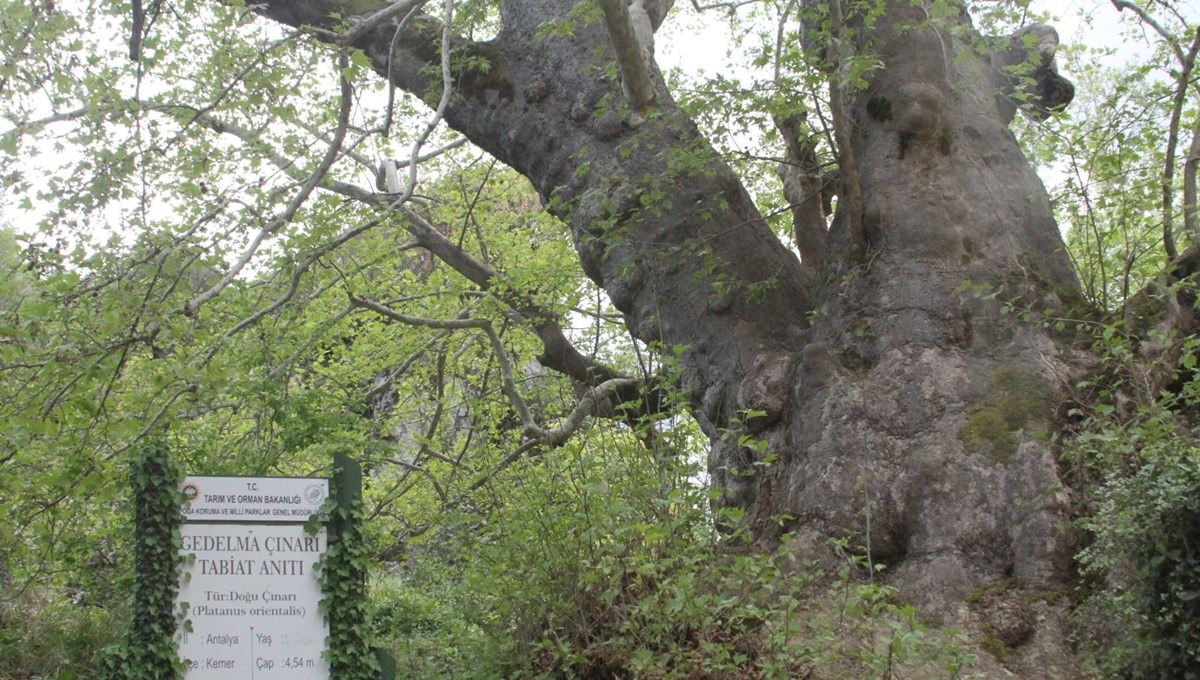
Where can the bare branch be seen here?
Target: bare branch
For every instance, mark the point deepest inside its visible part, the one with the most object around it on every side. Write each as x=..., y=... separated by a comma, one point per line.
x=253, y=139
x=293, y=284
x=62, y=116
x=314, y=179
x=851, y=184
x=421, y=469
x=310, y=184
x=443, y=102
x=400, y=370
x=559, y=435
x=508, y=384
x=511, y=458
x=530, y=429
x=559, y=354
x=153, y=421
x=347, y=150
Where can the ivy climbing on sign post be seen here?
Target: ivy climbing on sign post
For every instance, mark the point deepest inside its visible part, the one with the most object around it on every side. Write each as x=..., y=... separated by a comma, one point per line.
x=344, y=581
x=149, y=650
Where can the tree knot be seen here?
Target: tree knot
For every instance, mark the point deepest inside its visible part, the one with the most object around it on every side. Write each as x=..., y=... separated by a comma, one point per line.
x=1029, y=72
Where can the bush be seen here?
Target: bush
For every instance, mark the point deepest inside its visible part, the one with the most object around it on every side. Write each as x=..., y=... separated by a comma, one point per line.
x=1141, y=618
x=1147, y=547
x=606, y=564
x=421, y=625
x=50, y=636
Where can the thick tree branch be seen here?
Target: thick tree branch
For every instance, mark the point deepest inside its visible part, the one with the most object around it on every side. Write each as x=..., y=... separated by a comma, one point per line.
x=537, y=105
x=587, y=406
x=657, y=9
x=808, y=190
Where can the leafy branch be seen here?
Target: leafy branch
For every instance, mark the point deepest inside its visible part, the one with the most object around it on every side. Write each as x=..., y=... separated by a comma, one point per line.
x=555, y=436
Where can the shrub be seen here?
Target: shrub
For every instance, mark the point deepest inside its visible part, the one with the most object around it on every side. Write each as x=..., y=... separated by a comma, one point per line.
x=1142, y=618
x=1147, y=547
x=606, y=564
x=47, y=635
x=421, y=623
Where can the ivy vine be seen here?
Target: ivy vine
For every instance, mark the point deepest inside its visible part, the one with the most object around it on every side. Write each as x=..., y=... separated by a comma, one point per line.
x=344, y=579
x=150, y=649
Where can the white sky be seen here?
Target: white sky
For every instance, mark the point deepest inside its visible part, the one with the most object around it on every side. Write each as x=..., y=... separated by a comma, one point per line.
x=697, y=45
x=689, y=46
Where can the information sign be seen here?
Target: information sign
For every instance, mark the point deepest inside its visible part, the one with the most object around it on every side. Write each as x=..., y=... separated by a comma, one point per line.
x=249, y=584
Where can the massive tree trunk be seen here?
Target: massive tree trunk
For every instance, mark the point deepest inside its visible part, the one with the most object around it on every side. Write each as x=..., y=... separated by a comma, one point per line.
x=900, y=397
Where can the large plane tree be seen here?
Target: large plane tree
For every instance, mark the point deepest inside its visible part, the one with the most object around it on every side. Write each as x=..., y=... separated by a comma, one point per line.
x=886, y=386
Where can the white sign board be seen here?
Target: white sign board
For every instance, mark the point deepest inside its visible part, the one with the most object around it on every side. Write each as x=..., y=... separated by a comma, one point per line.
x=253, y=601
x=253, y=499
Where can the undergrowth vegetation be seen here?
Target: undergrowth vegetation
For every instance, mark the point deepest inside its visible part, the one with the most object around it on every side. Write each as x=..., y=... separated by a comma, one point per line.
x=1140, y=614
x=47, y=635
x=616, y=571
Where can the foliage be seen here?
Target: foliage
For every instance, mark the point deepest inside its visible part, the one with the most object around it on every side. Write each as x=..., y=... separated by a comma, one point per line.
x=1116, y=185
x=423, y=622
x=47, y=635
x=205, y=304
x=1105, y=159
x=1108, y=187
x=1144, y=560
x=1147, y=531
x=603, y=562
